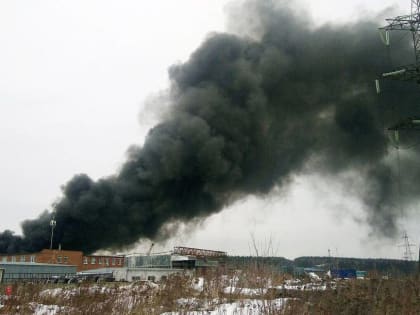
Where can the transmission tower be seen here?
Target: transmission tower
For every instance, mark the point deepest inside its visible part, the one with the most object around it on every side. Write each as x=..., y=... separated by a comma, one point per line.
x=406, y=23
x=411, y=72
x=407, y=254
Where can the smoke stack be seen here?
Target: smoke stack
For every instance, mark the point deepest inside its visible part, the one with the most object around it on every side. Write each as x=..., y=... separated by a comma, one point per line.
x=248, y=113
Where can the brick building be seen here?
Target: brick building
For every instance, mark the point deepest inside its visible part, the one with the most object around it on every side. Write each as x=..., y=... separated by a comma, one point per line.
x=66, y=257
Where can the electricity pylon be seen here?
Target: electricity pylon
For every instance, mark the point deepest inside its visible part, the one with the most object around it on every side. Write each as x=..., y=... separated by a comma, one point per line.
x=408, y=254
x=411, y=72
x=406, y=23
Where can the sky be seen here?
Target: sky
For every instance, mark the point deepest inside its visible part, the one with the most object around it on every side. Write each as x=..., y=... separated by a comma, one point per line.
x=76, y=78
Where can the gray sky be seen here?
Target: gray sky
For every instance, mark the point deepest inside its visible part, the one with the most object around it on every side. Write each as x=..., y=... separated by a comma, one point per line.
x=74, y=77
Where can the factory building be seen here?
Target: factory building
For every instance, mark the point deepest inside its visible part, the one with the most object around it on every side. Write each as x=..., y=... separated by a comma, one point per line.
x=130, y=274
x=64, y=263
x=26, y=271
x=180, y=258
x=66, y=258
x=159, y=266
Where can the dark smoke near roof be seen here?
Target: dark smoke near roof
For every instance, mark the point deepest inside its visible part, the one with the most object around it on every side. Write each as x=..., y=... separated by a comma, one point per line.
x=247, y=114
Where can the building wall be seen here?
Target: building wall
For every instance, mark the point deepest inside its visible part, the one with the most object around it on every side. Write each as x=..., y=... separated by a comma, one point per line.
x=18, y=258
x=90, y=262
x=35, y=271
x=136, y=274
x=61, y=257
x=66, y=257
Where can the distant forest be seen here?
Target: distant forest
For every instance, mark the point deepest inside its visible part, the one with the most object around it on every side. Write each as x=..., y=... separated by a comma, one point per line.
x=381, y=266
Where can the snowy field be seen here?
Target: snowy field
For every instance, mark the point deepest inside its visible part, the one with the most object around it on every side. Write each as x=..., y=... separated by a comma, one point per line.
x=227, y=297
x=241, y=294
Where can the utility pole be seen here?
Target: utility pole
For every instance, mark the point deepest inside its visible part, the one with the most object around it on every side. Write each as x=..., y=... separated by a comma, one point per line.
x=329, y=260
x=149, y=257
x=53, y=223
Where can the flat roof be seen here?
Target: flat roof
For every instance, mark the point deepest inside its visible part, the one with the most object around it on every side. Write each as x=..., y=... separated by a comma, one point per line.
x=34, y=264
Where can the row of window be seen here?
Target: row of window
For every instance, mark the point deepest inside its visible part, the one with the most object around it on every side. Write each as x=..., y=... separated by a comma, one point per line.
x=22, y=258
x=62, y=259
x=102, y=260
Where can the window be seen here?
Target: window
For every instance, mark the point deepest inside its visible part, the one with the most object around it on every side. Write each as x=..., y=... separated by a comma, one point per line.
x=100, y=260
x=119, y=261
x=85, y=260
x=4, y=259
x=13, y=258
x=65, y=259
x=32, y=259
x=22, y=258
x=93, y=260
x=151, y=278
x=113, y=261
x=59, y=259
x=107, y=261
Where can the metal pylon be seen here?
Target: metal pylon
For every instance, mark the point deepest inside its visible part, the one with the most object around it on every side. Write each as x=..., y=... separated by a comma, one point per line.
x=411, y=72
x=406, y=23
x=407, y=254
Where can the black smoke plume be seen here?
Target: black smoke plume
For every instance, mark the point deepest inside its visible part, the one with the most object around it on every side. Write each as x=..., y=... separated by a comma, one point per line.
x=248, y=112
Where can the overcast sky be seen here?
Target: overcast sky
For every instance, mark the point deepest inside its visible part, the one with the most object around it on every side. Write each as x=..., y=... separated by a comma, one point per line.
x=74, y=78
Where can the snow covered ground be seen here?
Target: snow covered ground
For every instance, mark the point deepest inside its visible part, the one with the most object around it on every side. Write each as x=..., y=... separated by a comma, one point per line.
x=245, y=291
x=232, y=298
x=183, y=295
x=41, y=309
x=245, y=307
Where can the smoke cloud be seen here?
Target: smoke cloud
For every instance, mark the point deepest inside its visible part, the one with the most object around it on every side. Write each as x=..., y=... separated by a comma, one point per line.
x=249, y=111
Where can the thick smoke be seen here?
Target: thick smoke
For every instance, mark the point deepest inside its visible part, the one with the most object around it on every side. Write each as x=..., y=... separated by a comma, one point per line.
x=248, y=112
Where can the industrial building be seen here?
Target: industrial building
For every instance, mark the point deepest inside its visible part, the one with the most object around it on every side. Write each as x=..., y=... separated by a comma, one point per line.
x=26, y=271
x=159, y=266
x=179, y=257
x=66, y=258
x=55, y=263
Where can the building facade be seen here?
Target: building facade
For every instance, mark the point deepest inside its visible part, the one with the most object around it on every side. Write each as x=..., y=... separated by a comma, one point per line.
x=179, y=258
x=66, y=257
x=26, y=271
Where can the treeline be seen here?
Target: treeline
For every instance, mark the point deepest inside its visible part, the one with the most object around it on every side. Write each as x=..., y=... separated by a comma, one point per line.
x=381, y=266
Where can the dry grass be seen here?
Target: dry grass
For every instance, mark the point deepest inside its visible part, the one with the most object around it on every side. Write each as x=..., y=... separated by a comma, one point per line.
x=375, y=296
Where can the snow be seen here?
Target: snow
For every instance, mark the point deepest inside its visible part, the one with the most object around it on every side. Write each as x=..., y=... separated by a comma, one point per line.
x=41, y=309
x=198, y=284
x=51, y=292
x=314, y=276
x=303, y=287
x=249, y=307
x=237, y=299
x=244, y=291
